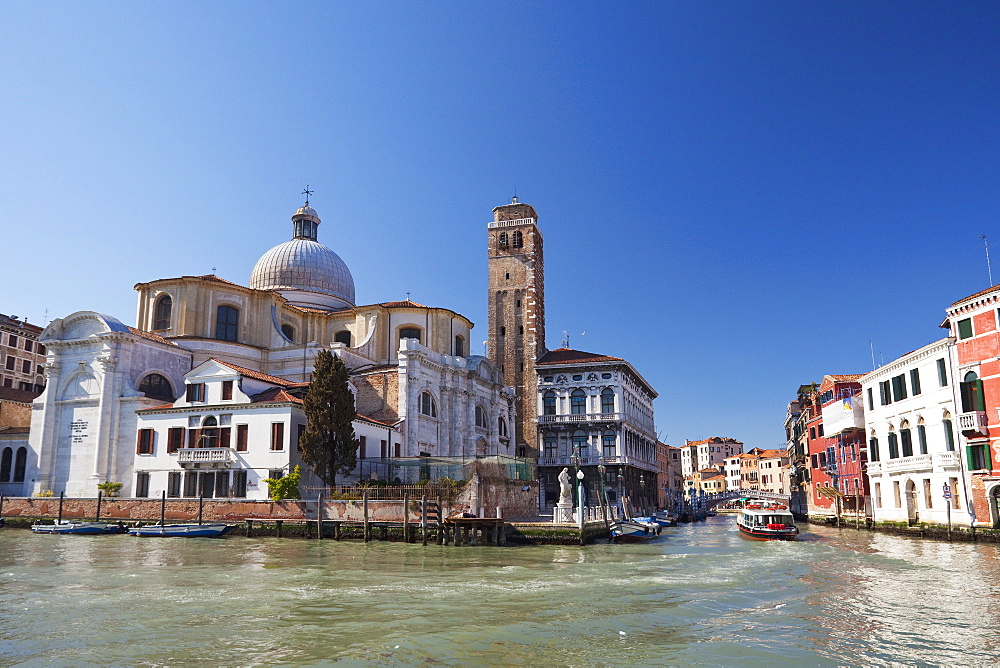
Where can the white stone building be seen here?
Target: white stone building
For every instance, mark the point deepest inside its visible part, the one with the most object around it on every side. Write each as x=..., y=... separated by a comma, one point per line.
x=910, y=424
x=410, y=369
x=709, y=453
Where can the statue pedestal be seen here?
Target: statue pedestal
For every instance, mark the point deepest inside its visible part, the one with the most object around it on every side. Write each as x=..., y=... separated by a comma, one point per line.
x=563, y=513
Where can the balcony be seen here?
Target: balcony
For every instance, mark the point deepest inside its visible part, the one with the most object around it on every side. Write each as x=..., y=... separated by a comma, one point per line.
x=874, y=468
x=974, y=421
x=583, y=417
x=947, y=460
x=594, y=460
x=908, y=464
x=205, y=456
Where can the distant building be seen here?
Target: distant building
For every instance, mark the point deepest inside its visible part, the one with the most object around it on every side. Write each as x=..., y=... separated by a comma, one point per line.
x=14, y=461
x=837, y=447
x=670, y=480
x=698, y=455
x=772, y=471
x=21, y=356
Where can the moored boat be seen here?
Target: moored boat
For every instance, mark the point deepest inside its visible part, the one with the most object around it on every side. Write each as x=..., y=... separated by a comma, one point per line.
x=633, y=530
x=183, y=530
x=763, y=520
x=83, y=528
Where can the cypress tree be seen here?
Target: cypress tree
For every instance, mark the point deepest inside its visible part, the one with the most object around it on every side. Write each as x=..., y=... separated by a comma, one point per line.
x=328, y=443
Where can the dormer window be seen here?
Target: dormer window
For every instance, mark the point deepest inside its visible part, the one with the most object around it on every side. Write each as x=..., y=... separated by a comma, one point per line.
x=156, y=386
x=196, y=392
x=227, y=390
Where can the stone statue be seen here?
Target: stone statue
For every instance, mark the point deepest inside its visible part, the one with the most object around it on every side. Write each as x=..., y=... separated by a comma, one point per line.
x=565, y=488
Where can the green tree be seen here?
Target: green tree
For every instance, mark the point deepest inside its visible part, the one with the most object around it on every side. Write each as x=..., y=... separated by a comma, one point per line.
x=328, y=443
x=285, y=487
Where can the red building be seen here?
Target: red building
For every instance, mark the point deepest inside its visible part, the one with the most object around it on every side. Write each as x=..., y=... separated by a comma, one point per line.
x=836, y=447
x=973, y=322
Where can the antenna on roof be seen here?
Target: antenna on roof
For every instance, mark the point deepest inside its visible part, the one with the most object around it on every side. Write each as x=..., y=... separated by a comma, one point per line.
x=989, y=270
x=872, y=349
x=45, y=319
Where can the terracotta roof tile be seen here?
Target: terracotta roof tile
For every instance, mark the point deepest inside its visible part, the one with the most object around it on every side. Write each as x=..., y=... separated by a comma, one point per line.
x=274, y=394
x=150, y=336
x=570, y=356
x=155, y=408
x=257, y=375
x=404, y=303
x=978, y=294
x=20, y=396
x=385, y=423
x=213, y=277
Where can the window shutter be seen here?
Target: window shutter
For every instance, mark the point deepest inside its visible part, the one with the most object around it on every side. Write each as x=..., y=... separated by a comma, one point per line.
x=193, y=437
x=970, y=460
x=242, y=431
x=138, y=442
x=224, y=437
x=227, y=390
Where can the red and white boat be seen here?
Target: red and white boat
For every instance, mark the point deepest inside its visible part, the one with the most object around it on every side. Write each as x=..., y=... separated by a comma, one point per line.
x=767, y=520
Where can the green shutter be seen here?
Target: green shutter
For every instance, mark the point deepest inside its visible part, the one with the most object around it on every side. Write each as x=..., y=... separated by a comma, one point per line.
x=987, y=456
x=969, y=460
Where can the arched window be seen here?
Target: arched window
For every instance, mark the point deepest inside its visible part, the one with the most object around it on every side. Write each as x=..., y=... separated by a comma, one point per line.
x=209, y=437
x=161, y=312
x=578, y=402
x=971, y=390
x=156, y=386
x=459, y=346
x=609, y=442
x=873, y=448
x=905, y=439
x=227, y=320
x=289, y=332
x=20, y=464
x=427, y=406
x=580, y=443
x=502, y=240
x=343, y=336
x=607, y=400
x=410, y=333
x=893, y=445
x=518, y=240
x=6, y=463
x=549, y=403
x=481, y=419
x=551, y=445
x=949, y=432
x=502, y=427
x=921, y=437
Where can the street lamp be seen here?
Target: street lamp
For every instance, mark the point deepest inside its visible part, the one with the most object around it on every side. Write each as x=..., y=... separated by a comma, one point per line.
x=642, y=490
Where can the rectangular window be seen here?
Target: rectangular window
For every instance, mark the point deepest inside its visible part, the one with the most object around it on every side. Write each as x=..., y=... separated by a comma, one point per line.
x=277, y=436
x=922, y=438
x=871, y=400
x=276, y=474
x=878, y=495
x=240, y=483
x=928, y=499
x=895, y=493
x=942, y=372
x=820, y=429
x=227, y=390
x=27, y=345
x=12, y=342
x=893, y=446
x=953, y=483
x=899, y=387
x=190, y=483
x=224, y=434
x=361, y=449
x=815, y=462
x=221, y=484
x=25, y=366
x=193, y=441
x=144, y=446
x=978, y=458
x=965, y=328
x=907, y=442
x=884, y=394
x=399, y=450
x=175, y=439
x=384, y=452
x=915, y=381
x=142, y=484
x=10, y=362
x=949, y=436
x=41, y=349
x=174, y=484
x=242, y=434
x=196, y=392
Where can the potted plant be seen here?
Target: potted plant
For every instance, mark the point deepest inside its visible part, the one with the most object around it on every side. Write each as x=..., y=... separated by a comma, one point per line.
x=110, y=488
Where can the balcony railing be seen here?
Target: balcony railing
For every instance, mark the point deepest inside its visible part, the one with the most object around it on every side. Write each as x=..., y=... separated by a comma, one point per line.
x=908, y=464
x=205, y=455
x=582, y=417
x=974, y=421
x=594, y=460
x=947, y=460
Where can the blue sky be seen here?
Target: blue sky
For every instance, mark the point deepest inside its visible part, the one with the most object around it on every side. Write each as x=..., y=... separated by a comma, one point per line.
x=736, y=197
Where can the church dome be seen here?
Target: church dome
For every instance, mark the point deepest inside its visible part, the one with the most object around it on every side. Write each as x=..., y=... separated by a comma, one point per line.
x=304, y=271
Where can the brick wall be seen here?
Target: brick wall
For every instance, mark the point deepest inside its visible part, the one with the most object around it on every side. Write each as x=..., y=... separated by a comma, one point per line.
x=377, y=395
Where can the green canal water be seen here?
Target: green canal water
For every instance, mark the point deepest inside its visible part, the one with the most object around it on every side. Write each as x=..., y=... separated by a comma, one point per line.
x=699, y=595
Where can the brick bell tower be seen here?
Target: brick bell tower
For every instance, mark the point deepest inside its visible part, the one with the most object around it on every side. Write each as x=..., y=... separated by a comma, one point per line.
x=516, y=306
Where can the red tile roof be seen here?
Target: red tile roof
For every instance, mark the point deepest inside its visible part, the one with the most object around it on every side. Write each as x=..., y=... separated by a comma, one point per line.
x=978, y=294
x=213, y=277
x=150, y=336
x=384, y=423
x=570, y=356
x=257, y=375
x=19, y=396
x=274, y=394
x=404, y=303
x=160, y=407
x=714, y=439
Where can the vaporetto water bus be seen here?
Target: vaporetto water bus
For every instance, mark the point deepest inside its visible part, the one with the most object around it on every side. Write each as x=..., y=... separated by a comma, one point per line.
x=767, y=520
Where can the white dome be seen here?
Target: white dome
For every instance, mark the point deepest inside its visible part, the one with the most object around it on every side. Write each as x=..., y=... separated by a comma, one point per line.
x=305, y=271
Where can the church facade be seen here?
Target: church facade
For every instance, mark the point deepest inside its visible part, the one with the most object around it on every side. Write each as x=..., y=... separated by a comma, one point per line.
x=117, y=395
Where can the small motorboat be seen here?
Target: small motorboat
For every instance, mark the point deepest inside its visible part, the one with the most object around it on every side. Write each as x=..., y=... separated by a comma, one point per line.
x=183, y=530
x=633, y=530
x=767, y=520
x=660, y=519
x=83, y=528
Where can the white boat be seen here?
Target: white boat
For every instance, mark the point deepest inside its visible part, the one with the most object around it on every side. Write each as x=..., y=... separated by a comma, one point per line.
x=767, y=520
x=84, y=528
x=183, y=530
x=633, y=530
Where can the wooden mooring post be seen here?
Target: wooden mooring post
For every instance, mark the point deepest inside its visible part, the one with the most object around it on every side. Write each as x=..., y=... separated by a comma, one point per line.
x=59, y=519
x=319, y=517
x=98, y=518
x=423, y=518
x=201, y=504
x=406, y=517
x=367, y=528
x=442, y=534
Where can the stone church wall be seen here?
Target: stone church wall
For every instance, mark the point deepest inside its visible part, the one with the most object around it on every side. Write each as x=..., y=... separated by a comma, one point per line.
x=377, y=395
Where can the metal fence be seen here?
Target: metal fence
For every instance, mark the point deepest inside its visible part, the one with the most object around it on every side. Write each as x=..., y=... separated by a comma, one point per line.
x=382, y=492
